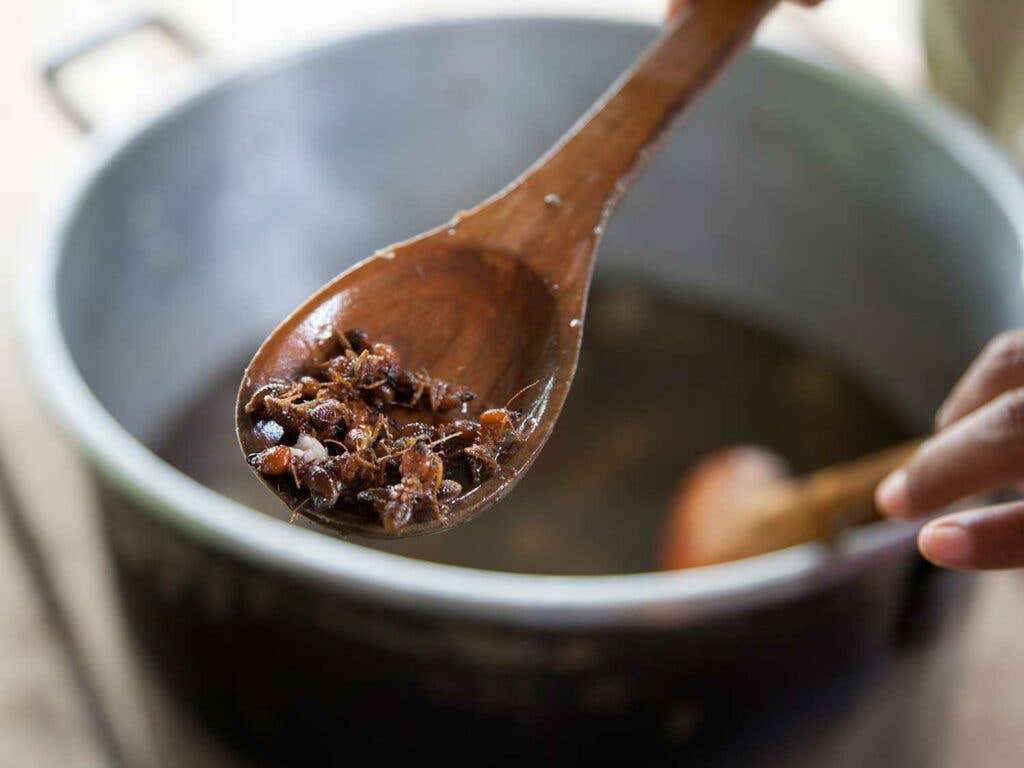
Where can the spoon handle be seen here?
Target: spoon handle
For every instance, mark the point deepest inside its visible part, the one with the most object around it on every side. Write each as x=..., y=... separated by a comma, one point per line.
x=561, y=204
x=818, y=506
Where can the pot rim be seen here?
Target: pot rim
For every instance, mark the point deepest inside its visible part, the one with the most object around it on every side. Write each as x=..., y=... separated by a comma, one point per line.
x=525, y=599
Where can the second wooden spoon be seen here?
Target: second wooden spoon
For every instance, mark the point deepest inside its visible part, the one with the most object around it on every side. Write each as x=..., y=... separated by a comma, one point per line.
x=741, y=502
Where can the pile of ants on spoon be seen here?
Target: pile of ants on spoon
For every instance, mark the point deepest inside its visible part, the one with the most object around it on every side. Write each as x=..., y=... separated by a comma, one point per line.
x=473, y=330
x=359, y=429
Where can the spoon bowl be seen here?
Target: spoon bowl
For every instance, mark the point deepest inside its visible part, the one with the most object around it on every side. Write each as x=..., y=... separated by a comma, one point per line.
x=472, y=315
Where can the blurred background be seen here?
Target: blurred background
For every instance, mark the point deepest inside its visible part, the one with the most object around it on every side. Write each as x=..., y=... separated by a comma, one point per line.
x=61, y=707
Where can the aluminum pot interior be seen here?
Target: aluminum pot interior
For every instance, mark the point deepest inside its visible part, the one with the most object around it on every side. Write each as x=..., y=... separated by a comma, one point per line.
x=884, y=235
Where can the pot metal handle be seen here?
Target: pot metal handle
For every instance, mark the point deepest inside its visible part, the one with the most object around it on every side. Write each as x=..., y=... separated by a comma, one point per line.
x=65, y=103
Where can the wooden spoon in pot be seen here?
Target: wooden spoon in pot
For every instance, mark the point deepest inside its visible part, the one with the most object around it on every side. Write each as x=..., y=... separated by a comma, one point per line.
x=742, y=502
x=495, y=299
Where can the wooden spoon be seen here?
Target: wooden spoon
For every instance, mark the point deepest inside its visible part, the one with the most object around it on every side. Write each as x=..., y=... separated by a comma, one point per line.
x=741, y=502
x=496, y=298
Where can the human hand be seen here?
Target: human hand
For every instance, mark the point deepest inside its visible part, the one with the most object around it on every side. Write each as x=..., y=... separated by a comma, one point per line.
x=978, y=447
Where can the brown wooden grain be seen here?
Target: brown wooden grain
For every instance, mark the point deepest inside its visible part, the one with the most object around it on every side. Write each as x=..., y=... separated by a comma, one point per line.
x=495, y=300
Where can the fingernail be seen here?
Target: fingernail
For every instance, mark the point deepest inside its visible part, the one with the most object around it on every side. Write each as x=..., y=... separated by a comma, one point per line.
x=891, y=496
x=946, y=544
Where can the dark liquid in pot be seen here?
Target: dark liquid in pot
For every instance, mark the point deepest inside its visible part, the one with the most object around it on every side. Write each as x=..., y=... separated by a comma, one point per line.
x=660, y=383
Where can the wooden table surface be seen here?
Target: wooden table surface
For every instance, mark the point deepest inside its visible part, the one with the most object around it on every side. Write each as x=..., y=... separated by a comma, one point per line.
x=49, y=699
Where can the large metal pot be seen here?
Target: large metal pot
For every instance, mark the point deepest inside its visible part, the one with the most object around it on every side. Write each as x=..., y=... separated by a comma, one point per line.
x=887, y=234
